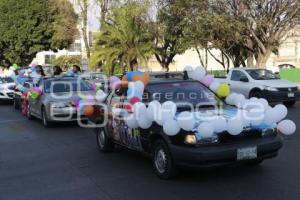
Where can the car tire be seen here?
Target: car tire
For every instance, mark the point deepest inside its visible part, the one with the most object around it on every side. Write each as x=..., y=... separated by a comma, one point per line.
x=29, y=115
x=162, y=161
x=45, y=120
x=289, y=103
x=256, y=93
x=104, y=143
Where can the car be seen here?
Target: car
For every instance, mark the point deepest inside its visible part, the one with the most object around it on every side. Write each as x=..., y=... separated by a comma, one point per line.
x=170, y=153
x=56, y=103
x=7, y=86
x=97, y=78
x=18, y=95
x=261, y=83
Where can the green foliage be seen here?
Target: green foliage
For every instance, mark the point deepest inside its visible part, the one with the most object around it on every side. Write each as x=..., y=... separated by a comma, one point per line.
x=123, y=38
x=66, y=62
x=27, y=27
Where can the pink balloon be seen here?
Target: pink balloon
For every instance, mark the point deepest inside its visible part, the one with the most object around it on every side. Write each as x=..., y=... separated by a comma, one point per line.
x=114, y=82
x=208, y=80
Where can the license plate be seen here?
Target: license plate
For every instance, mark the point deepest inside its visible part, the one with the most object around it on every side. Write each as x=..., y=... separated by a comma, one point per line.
x=291, y=95
x=248, y=153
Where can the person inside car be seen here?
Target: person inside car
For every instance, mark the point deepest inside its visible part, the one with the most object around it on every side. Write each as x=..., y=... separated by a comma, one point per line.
x=57, y=71
x=76, y=69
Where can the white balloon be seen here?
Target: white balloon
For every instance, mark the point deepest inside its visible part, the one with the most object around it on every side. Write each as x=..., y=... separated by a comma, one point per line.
x=270, y=116
x=100, y=96
x=144, y=123
x=214, y=86
x=168, y=110
x=153, y=110
x=230, y=99
x=131, y=121
x=219, y=124
x=206, y=130
x=287, y=127
x=235, y=127
x=244, y=117
x=198, y=73
x=281, y=112
x=239, y=100
x=171, y=127
x=264, y=102
x=256, y=116
x=139, y=85
x=139, y=109
x=186, y=121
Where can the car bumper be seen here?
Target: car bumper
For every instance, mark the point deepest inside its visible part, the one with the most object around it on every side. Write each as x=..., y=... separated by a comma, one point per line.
x=65, y=115
x=280, y=96
x=211, y=156
x=6, y=95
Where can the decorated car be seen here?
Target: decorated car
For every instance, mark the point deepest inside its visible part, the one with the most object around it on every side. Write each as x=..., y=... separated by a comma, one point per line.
x=182, y=119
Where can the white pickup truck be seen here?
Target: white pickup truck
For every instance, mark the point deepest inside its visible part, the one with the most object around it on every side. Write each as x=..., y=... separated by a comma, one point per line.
x=261, y=83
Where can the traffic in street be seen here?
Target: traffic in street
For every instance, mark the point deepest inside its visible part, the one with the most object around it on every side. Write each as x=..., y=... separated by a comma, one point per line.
x=63, y=162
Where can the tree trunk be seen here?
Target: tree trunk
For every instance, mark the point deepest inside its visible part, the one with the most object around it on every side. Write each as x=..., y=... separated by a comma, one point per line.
x=261, y=58
x=85, y=34
x=250, y=60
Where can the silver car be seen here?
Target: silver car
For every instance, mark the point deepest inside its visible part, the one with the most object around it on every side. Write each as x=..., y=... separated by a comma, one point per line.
x=57, y=101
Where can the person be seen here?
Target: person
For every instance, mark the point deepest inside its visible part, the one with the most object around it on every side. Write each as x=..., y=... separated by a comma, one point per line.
x=134, y=65
x=40, y=71
x=76, y=69
x=57, y=70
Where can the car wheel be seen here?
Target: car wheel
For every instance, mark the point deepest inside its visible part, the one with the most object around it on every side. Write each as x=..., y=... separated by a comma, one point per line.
x=29, y=115
x=45, y=120
x=256, y=93
x=16, y=104
x=103, y=142
x=289, y=103
x=162, y=161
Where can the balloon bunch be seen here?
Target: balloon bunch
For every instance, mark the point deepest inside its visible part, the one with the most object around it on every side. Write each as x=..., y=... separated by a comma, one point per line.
x=199, y=73
x=35, y=92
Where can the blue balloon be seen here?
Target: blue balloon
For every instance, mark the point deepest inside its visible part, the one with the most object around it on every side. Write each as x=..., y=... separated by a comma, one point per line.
x=130, y=93
x=131, y=74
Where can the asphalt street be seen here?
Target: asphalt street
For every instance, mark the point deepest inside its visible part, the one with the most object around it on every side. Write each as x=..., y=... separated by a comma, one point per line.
x=63, y=163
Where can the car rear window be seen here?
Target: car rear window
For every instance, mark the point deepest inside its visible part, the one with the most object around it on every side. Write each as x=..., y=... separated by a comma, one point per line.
x=66, y=85
x=180, y=92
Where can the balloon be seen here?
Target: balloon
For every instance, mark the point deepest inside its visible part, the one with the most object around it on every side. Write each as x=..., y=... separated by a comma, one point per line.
x=130, y=93
x=219, y=124
x=131, y=121
x=281, y=112
x=186, y=121
x=153, y=110
x=134, y=100
x=287, y=127
x=101, y=96
x=130, y=74
x=168, y=110
x=206, y=130
x=198, y=73
x=235, y=127
x=170, y=127
x=144, y=123
x=189, y=70
x=88, y=110
x=214, y=86
x=270, y=116
x=264, y=103
x=256, y=116
x=139, y=109
x=207, y=80
x=239, y=100
x=230, y=99
x=114, y=83
x=145, y=78
x=94, y=87
x=223, y=90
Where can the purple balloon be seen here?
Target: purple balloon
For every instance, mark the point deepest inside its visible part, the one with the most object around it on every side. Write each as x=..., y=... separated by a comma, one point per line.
x=114, y=82
x=208, y=80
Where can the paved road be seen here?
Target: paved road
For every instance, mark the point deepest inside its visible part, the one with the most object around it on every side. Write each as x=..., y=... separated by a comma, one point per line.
x=63, y=163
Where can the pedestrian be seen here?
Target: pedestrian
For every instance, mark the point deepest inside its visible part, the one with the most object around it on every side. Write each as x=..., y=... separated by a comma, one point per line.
x=76, y=69
x=57, y=71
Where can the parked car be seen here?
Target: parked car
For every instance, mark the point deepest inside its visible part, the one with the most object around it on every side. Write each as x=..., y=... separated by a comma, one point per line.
x=18, y=95
x=56, y=103
x=261, y=83
x=98, y=78
x=7, y=86
x=169, y=153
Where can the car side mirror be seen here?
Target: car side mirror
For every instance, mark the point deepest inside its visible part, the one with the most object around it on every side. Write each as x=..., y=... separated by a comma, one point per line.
x=244, y=80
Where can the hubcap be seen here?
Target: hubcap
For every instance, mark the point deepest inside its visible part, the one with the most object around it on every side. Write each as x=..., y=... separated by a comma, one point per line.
x=101, y=138
x=44, y=118
x=160, y=161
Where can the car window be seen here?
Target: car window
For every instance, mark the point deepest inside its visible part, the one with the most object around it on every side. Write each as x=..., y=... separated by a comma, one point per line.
x=66, y=85
x=262, y=74
x=238, y=75
x=191, y=92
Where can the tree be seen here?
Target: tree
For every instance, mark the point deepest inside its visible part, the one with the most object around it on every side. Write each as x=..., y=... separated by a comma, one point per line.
x=27, y=27
x=67, y=61
x=124, y=38
x=267, y=23
x=170, y=24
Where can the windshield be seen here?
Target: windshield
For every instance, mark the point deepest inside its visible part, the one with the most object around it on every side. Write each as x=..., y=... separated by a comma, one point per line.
x=66, y=85
x=262, y=74
x=6, y=80
x=180, y=92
